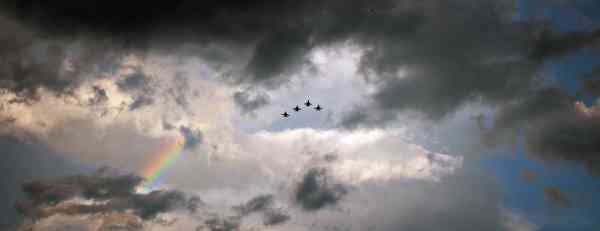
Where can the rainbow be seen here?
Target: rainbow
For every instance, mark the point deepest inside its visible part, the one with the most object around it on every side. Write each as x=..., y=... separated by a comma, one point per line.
x=168, y=153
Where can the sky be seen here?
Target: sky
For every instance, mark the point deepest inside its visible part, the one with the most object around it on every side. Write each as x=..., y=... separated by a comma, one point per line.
x=437, y=115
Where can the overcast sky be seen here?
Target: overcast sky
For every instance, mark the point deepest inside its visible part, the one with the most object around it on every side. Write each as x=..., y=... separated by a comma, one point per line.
x=437, y=115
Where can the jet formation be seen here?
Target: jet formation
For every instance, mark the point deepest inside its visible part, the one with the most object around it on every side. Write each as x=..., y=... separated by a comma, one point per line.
x=297, y=108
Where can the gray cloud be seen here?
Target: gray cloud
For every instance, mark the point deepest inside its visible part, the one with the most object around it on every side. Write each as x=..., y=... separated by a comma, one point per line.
x=315, y=191
x=281, y=33
x=179, y=92
x=555, y=128
x=426, y=56
x=265, y=205
x=444, y=56
x=249, y=101
x=258, y=203
x=275, y=217
x=221, y=224
x=192, y=137
x=133, y=81
x=141, y=101
x=552, y=44
x=31, y=61
x=100, y=96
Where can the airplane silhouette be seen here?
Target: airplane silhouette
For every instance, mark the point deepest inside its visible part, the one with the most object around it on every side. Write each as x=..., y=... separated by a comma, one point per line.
x=318, y=108
x=285, y=114
x=297, y=108
x=308, y=104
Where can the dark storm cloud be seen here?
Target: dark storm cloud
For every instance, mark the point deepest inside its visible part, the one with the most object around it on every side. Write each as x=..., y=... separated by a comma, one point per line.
x=452, y=60
x=451, y=51
x=552, y=44
x=30, y=61
x=553, y=127
x=567, y=137
x=550, y=101
x=192, y=137
x=249, y=101
x=315, y=191
x=17, y=69
x=108, y=192
x=282, y=32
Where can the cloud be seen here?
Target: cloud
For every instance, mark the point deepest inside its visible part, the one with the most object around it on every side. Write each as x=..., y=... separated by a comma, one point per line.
x=315, y=191
x=93, y=186
x=556, y=127
x=265, y=204
x=220, y=224
x=133, y=81
x=192, y=137
x=551, y=44
x=258, y=203
x=275, y=217
x=312, y=196
x=140, y=101
x=32, y=61
x=433, y=65
x=250, y=101
x=99, y=96
x=516, y=222
x=114, y=81
x=279, y=35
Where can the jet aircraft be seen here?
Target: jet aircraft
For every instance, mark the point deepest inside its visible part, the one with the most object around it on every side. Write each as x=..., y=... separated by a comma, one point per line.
x=308, y=104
